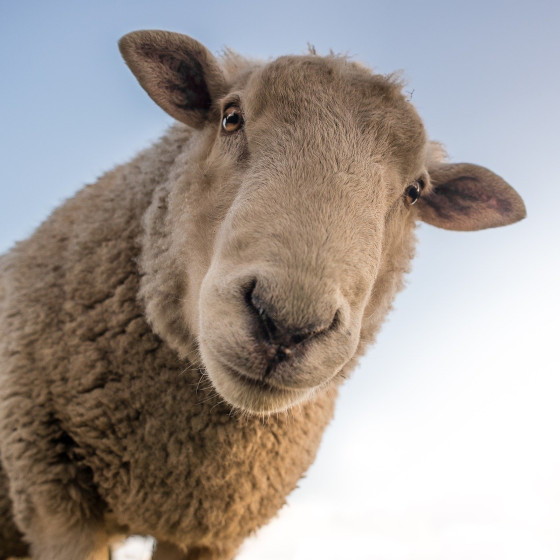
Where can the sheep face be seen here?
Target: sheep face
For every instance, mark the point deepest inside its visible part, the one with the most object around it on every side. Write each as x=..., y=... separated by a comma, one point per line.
x=298, y=252
x=293, y=211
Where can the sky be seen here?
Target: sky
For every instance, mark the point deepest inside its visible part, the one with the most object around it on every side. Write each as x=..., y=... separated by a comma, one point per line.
x=445, y=441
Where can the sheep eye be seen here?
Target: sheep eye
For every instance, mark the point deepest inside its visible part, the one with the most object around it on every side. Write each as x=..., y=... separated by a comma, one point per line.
x=232, y=120
x=412, y=192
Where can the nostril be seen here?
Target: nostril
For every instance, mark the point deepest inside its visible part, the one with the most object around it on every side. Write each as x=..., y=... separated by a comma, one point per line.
x=280, y=336
x=268, y=328
x=298, y=338
x=248, y=290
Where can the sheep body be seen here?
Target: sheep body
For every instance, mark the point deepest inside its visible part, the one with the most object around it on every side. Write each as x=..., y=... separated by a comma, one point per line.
x=115, y=417
x=135, y=437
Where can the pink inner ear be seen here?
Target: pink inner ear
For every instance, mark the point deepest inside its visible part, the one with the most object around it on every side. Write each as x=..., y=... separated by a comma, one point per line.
x=467, y=197
x=176, y=71
x=482, y=196
x=183, y=78
x=476, y=193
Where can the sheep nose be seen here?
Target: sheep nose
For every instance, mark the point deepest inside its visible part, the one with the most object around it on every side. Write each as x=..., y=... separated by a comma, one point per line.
x=280, y=338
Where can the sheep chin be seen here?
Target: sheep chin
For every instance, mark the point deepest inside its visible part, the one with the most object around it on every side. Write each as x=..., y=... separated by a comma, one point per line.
x=250, y=396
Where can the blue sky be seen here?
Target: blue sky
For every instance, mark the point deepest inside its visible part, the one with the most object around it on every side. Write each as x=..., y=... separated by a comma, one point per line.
x=445, y=441
x=483, y=76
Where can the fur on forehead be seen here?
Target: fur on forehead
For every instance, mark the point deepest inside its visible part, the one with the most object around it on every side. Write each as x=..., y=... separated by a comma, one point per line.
x=296, y=70
x=376, y=102
x=304, y=74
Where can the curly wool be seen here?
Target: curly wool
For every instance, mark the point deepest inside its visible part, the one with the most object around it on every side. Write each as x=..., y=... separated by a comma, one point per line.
x=99, y=417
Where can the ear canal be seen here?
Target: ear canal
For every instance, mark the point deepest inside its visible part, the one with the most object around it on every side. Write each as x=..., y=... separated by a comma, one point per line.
x=177, y=72
x=467, y=197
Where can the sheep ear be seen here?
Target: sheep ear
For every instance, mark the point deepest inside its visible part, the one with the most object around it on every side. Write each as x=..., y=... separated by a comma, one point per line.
x=177, y=72
x=467, y=197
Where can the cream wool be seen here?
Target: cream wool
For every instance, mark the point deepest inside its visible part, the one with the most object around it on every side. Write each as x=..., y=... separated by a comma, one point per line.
x=172, y=337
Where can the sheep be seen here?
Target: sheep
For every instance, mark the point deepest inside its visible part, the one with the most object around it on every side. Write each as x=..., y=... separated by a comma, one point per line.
x=173, y=337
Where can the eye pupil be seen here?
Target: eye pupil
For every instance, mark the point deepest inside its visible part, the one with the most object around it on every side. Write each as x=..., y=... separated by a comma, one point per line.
x=412, y=193
x=232, y=120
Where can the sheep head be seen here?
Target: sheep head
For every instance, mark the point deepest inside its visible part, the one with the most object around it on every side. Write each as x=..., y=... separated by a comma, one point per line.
x=291, y=213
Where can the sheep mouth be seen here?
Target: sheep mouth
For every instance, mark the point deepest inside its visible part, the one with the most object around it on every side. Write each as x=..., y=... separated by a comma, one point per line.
x=253, y=395
x=258, y=384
